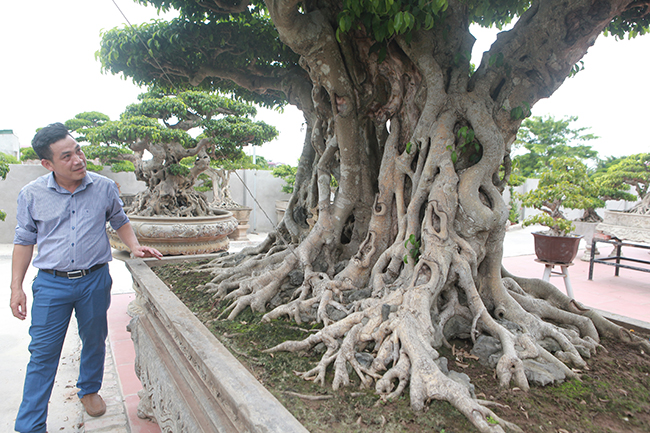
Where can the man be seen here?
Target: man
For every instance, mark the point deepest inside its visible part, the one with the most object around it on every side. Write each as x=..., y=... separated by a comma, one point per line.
x=65, y=214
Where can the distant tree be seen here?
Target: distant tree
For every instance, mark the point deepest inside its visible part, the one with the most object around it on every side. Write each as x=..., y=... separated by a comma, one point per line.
x=27, y=153
x=7, y=159
x=159, y=124
x=217, y=177
x=546, y=138
x=604, y=164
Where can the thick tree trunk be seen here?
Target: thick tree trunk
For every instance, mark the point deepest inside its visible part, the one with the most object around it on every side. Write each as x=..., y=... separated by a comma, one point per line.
x=412, y=239
x=169, y=193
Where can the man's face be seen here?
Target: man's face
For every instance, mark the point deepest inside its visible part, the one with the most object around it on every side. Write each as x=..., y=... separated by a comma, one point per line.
x=68, y=162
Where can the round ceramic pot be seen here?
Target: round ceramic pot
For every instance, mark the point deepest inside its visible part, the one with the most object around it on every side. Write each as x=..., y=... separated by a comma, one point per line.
x=182, y=235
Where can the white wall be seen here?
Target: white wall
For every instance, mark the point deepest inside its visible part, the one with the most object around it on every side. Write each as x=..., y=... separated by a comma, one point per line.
x=268, y=189
x=531, y=184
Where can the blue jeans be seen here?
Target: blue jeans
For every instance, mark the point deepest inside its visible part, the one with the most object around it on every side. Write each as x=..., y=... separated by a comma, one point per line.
x=54, y=300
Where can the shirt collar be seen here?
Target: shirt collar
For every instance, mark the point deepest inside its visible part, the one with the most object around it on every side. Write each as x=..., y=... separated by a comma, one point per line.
x=51, y=183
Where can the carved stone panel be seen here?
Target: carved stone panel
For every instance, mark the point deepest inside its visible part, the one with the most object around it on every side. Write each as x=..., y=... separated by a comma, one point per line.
x=191, y=382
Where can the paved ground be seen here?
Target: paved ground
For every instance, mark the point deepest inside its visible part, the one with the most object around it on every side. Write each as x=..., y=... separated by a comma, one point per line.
x=66, y=413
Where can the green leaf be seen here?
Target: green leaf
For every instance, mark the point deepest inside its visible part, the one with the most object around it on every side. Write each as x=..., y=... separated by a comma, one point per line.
x=398, y=21
x=428, y=22
x=470, y=136
x=409, y=20
x=517, y=113
x=496, y=60
x=374, y=48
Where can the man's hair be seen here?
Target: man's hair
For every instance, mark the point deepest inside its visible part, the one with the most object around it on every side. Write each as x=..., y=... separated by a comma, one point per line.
x=46, y=136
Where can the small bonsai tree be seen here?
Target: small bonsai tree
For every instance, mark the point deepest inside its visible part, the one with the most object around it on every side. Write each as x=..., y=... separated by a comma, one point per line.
x=632, y=171
x=160, y=124
x=564, y=185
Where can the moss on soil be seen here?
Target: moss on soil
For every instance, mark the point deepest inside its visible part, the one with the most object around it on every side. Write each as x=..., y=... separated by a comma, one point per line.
x=612, y=396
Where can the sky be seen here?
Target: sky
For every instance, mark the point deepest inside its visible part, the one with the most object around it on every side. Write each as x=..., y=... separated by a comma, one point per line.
x=48, y=73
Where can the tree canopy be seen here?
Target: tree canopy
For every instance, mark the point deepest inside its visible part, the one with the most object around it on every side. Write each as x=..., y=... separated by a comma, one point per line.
x=546, y=139
x=631, y=172
x=234, y=46
x=397, y=219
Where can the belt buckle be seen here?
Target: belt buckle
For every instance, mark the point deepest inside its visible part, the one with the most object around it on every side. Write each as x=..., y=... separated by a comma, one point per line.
x=75, y=275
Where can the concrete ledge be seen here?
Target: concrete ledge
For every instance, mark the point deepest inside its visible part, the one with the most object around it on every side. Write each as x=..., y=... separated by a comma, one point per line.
x=191, y=382
x=626, y=322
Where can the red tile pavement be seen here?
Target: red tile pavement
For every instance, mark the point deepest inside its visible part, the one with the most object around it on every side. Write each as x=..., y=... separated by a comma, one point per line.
x=124, y=355
x=627, y=295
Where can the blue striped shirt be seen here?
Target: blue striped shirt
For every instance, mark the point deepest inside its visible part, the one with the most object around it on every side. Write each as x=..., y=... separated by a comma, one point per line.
x=69, y=228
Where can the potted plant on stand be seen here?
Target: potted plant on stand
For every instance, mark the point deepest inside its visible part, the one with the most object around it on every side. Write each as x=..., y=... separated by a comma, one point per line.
x=564, y=185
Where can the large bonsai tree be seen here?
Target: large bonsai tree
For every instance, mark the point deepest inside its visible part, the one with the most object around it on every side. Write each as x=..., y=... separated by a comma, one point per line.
x=415, y=138
x=630, y=172
x=160, y=124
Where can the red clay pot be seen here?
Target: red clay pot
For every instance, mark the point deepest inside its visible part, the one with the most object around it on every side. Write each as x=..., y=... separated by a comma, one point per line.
x=556, y=249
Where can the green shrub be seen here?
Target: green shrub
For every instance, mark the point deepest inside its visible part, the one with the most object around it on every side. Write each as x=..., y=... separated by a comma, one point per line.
x=288, y=174
x=27, y=153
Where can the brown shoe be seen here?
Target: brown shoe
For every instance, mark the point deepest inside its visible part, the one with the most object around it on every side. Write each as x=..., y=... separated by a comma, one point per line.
x=94, y=404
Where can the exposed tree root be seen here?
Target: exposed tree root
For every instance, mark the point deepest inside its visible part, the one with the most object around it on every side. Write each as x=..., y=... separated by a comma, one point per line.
x=390, y=340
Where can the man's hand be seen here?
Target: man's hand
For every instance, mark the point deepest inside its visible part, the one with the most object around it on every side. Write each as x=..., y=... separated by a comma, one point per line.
x=20, y=260
x=18, y=303
x=144, y=252
x=127, y=236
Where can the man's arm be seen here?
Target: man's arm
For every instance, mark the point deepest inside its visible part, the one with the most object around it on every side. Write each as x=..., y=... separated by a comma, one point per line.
x=20, y=260
x=127, y=236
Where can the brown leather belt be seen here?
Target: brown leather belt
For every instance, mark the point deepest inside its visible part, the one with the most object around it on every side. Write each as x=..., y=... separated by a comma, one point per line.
x=73, y=275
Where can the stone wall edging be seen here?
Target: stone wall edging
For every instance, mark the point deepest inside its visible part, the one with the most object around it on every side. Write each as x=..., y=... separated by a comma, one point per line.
x=192, y=383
